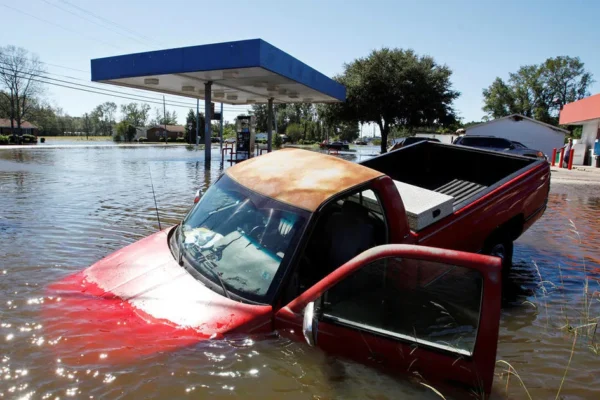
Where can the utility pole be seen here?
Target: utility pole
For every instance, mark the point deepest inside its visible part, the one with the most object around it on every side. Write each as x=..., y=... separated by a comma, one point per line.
x=221, y=131
x=165, y=119
x=197, y=122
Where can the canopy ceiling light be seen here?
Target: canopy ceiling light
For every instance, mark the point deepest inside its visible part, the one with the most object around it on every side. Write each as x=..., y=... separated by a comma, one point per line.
x=282, y=91
x=219, y=95
x=272, y=88
x=151, y=81
x=293, y=95
x=232, y=97
x=251, y=101
x=230, y=74
x=260, y=84
x=188, y=88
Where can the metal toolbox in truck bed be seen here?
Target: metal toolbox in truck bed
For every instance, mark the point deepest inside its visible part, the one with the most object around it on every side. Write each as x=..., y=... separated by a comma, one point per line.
x=423, y=207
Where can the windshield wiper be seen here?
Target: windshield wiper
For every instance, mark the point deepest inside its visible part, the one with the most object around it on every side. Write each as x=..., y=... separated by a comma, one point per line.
x=216, y=275
x=180, y=246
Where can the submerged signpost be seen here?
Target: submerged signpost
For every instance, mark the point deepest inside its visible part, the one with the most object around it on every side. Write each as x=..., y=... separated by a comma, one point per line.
x=238, y=73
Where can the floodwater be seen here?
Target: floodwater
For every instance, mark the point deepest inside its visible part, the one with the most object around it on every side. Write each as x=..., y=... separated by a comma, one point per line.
x=61, y=209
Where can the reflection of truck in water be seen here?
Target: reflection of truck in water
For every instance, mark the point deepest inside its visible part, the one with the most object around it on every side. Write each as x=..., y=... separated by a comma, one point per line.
x=357, y=254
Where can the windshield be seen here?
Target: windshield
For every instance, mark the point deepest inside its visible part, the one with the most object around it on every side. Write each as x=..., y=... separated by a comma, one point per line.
x=242, y=236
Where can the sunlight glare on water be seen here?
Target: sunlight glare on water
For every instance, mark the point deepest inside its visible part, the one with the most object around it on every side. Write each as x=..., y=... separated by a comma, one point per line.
x=64, y=209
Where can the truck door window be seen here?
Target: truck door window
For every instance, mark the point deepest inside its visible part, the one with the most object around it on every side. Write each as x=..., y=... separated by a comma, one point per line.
x=427, y=303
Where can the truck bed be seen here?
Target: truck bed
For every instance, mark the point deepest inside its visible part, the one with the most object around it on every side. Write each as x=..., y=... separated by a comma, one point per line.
x=463, y=173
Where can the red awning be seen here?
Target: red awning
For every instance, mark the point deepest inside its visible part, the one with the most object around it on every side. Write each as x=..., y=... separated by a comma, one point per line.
x=582, y=110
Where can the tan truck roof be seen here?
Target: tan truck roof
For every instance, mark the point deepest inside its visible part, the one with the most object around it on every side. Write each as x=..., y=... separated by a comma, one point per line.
x=301, y=178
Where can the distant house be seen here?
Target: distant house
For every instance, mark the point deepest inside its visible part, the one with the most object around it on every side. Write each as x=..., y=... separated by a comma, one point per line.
x=532, y=133
x=26, y=128
x=158, y=133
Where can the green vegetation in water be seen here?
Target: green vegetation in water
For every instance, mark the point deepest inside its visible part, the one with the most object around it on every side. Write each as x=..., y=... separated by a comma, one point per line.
x=581, y=322
x=4, y=139
x=277, y=141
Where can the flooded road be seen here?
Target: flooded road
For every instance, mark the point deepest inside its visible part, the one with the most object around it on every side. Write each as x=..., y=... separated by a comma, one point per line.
x=63, y=209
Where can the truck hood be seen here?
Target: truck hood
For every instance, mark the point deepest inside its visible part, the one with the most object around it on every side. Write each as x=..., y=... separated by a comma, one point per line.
x=138, y=301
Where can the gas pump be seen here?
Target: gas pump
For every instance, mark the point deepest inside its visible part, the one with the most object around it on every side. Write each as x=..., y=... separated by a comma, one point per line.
x=245, y=137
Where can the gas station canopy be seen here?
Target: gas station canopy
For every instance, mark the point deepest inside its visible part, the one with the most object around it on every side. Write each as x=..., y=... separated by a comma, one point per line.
x=242, y=72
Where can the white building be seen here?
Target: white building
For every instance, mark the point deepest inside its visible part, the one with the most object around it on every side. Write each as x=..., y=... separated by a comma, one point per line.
x=585, y=112
x=532, y=133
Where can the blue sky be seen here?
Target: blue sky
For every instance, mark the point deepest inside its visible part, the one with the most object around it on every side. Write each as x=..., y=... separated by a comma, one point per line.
x=478, y=40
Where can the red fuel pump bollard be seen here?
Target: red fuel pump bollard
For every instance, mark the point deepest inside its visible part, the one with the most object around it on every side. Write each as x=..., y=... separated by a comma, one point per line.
x=571, y=154
x=562, y=157
x=553, y=157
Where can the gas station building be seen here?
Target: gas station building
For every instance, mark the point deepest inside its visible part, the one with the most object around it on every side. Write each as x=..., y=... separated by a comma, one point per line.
x=585, y=112
x=238, y=73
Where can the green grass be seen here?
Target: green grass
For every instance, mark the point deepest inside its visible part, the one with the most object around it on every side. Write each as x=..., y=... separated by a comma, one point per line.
x=78, y=138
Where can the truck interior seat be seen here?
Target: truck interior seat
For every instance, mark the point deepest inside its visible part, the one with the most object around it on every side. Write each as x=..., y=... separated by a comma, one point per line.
x=350, y=232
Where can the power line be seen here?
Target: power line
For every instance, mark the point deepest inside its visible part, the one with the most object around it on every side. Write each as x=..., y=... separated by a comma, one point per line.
x=94, y=22
x=61, y=27
x=109, y=21
x=112, y=93
x=171, y=98
x=92, y=87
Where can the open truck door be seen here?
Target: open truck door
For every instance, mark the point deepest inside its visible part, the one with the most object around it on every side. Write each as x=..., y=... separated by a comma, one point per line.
x=419, y=310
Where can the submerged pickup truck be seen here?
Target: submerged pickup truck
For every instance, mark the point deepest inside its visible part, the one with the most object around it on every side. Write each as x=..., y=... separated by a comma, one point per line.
x=376, y=261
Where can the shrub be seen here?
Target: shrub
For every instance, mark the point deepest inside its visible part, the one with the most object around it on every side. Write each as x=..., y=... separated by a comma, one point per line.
x=294, y=132
x=170, y=139
x=180, y=140
x=142, y=140
x=117, y=138
x=27, y=138
x=277, y=141
x=4, y=139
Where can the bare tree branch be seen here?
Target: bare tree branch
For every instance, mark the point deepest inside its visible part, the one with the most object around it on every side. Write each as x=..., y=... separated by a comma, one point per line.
x=18, y=70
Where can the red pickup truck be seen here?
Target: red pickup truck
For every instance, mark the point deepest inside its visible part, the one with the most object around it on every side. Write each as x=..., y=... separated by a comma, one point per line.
x=374, y=261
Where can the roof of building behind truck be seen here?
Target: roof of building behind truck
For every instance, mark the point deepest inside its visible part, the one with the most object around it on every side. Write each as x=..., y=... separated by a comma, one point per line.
x=302, y=178
x=5, y=123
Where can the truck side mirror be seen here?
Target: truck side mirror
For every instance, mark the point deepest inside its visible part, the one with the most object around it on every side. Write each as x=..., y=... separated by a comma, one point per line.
x=309, y=324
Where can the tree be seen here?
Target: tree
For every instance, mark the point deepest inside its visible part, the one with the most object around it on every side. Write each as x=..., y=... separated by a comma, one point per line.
x=499, y=99
x=136, y=115
x=228, y=129
x=348, y=131
x=190, y=127
x=294, y=132
x=124, y=131
x=87, y=125
x=18, y=73
x=260, y=112
x=395, y=87
x=538, y=91
x=103, y=117
x=566, y=79
x=164, y=118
